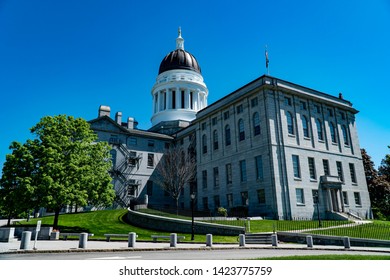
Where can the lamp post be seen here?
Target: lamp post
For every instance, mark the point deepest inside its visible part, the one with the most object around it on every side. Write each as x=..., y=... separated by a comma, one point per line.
x=192, y=215
x=318, y=209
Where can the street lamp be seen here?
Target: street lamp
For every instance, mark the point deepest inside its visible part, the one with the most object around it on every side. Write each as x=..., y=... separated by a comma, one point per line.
x=317, y=198
x=192, y=214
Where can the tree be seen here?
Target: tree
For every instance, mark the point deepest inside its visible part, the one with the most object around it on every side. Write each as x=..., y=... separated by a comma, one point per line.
x=70, y=167
x=176, y=170
x=378, y=186
x=17, y=186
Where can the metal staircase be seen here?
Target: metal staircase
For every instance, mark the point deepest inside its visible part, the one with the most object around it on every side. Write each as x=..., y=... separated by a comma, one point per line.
x=126, y=187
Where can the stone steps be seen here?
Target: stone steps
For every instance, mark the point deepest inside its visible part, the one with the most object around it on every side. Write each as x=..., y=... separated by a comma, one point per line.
x=258, y=238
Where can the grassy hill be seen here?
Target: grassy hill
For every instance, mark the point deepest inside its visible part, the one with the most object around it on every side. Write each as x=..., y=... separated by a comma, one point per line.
x=110, y=221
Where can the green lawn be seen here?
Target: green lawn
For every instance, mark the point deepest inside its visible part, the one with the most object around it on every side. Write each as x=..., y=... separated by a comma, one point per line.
x=330, y=257
x=111, y=221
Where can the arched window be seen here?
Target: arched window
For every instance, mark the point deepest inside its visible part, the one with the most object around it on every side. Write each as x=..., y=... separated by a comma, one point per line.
x=215, y=140
x=228, y=139
x=241, y=130
x=320, y=131
x=204, y=144
x=256, y=124
x=345, y=135
x=305, y=126
x=332, y=133
x=290, y=123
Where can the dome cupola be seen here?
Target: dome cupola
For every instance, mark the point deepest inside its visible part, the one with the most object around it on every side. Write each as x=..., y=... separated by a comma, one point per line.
x=179, y=59
x=179, y=92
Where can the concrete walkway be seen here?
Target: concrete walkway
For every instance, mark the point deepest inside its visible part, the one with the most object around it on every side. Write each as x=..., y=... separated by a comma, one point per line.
x=53, y=246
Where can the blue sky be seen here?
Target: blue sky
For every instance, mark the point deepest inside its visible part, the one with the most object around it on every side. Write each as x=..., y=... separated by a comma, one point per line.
x=71, y=56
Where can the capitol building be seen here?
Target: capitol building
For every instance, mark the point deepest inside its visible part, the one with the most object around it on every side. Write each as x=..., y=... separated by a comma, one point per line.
x=271, y=148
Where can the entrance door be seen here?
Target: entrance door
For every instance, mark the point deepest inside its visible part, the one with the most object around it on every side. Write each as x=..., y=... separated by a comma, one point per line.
x=335, y=200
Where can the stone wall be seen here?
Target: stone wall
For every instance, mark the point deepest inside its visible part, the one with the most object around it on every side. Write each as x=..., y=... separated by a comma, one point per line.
x=177, y=225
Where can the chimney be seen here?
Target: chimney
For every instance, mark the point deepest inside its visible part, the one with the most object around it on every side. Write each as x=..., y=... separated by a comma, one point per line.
x=130, y=123
x=104, y=111
x=118, y=118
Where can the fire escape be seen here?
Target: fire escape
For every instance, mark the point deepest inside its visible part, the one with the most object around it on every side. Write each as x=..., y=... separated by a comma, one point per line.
x=126, y=187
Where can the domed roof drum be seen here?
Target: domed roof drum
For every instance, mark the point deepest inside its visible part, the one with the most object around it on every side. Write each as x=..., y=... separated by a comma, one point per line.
x=179, y=59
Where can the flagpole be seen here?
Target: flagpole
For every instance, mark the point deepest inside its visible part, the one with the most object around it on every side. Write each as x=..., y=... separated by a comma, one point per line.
x=266, y=60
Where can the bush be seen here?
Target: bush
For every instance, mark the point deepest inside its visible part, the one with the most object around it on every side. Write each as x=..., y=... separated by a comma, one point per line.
x=222, y=212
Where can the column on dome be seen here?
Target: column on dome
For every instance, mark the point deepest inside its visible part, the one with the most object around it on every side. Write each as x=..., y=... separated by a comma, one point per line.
x=187, y=99
x=154, y=103
x=168, y=99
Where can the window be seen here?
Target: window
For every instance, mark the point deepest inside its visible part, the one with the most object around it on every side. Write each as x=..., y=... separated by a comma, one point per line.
x=315, y=196
x=340, y=170
x=302, y=105
x=151, y=143
x=296, y=167
x=215, y=140
x=259, y=167
x=332, y=133
x=254, y=102
x=229, y=175
x=320, y=131
x=345, y=198
x=150, y=160
x=149, y=188
x=217, y=202
x=241, y=130
x=300, y=196
x=228, y=139
x=358, y=202
x=204, y=125
x=113, y=157
x=312, y=168
x=204, y=179
x=132, y=158
x=261, y=196
x=229, y=198
x=290, y=123
x=345, y=135
x=243, y=170
x=256, y=124
x=239, y=109
x=305, y=126
x=352, y=172
x=132, y=141
x=325, y=163
x=205, y=202
x=226, y=115
x=244, y=198
x=214, y=121
x=317, y=109
x=204, y=144
x=216, y=177
x=330, y=112
x=287, y=101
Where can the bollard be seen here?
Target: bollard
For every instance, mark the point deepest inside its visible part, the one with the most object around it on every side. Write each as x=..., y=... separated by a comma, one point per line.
x=242, y=240
x=83, y=239
x=26, y=237
x=132, y=239
x=173, y=240
x=275, y=240
x=347, y=243
x=309, y=241
x=209, y=240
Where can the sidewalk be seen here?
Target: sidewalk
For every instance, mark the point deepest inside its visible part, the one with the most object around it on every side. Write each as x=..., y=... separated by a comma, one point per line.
x=58, y=246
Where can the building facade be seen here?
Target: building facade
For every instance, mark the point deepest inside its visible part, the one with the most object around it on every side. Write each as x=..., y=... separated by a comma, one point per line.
x=271, y=148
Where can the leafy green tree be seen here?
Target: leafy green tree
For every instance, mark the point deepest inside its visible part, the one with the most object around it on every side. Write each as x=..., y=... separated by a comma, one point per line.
x=17, y=186
x=378, y=186
x=70, y=167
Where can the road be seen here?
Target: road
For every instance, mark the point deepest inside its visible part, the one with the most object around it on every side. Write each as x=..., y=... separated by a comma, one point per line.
x=226, y=254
